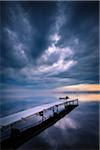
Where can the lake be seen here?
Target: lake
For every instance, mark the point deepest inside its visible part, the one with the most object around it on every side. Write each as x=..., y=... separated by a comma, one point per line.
x=77, y=130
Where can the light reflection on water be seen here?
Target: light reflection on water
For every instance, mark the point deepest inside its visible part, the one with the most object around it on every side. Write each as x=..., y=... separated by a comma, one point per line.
x=12, y=103
x=9, y=106
x=77, y=130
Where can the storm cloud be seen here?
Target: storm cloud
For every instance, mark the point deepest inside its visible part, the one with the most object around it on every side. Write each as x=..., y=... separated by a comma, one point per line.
x=49, y=43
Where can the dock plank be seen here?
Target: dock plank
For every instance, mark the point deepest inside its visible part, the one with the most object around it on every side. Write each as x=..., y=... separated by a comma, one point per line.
x=26, y=113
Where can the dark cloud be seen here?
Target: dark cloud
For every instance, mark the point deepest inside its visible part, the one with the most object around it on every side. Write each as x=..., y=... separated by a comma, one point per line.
x=27, y=28
x=51, y=40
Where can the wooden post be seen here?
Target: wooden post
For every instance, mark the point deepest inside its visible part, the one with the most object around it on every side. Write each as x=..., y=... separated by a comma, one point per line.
x=57, y=107
x=65, y=105
x=41, y=114
x=53, y=110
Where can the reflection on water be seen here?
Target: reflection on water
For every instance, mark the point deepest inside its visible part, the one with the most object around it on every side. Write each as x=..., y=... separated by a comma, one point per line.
x=13, y=102
x=82, y=97
x=9, y=106
x=77, y=130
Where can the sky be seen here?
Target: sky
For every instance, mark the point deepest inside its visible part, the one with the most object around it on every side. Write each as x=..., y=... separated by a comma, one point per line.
x=52, y=46
x=47, y=45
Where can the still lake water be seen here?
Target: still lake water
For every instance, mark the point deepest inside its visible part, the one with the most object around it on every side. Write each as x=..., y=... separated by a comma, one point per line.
x=79, y=130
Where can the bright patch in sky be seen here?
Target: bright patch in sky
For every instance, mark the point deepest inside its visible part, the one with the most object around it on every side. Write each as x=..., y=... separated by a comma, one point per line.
x=81, y=87
x=55, y=38
x=49, y=45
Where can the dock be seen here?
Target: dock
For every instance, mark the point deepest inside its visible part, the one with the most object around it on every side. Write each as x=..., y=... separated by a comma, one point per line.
x=18, y=128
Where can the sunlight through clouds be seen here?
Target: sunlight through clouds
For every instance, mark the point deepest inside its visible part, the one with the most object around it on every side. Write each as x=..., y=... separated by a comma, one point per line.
x=50, y=50
x=59, y=64
x=59, y=47
x=57, y=67
x=81, y=87
x=55, y=38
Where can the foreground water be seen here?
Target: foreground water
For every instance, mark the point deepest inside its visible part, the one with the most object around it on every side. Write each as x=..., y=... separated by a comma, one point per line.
x=77, y=130
x=10, y=106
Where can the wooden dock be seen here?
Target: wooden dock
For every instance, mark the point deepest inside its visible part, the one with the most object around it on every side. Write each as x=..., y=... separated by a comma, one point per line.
x=19, y=135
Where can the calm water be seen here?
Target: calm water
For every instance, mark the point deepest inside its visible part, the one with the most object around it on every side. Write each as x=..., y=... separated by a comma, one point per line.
x=12, y=105
x=77, y=130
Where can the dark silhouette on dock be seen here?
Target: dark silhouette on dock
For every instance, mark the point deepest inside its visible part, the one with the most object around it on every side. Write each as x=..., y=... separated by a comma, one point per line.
x=64, y=97
x=18, y=138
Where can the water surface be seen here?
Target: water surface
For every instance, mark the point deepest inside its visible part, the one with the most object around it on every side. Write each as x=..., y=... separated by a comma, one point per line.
x=79, y=130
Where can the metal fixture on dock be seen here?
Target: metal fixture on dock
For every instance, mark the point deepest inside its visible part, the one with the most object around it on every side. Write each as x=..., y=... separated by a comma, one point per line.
x=21, y=121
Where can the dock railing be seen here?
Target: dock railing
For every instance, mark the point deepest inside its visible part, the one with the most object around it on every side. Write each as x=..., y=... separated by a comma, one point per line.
x=56, y=109
x=17, y=135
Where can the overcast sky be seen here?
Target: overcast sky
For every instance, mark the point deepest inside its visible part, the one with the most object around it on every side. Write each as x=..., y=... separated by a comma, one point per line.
x=49, y=44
